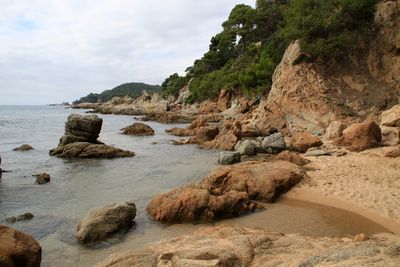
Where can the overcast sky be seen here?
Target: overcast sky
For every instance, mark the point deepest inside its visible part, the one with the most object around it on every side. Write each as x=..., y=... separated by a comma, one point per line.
x=59, y=50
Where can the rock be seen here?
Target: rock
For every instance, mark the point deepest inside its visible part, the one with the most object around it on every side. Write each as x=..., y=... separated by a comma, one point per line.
x=391, y=117
x=25, y=217
x=200, y=121
x=224, y=100
x=335, y=130
x=138, y=129
x=101, y=223
x=205, y=133
x=245, y=147
x=87, y=150
x=180, y=131
x=238, y=246
x=302, y=141
x=392, y=152
x=18, y=249
x=317, y=153
x=360, y=238
x=292, y=157
x=80, y=128
x=360, y=136
x=168, y=117
x=24, y=147
x=227, y=191
x=274, y=143
x=42, y=178
x=228, y=158
x=230, y=133
x=390, y=136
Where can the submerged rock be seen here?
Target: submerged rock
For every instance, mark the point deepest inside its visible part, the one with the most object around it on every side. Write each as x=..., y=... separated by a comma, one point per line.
x=226, y=192
x=101, y=223
x=22, y=217
x=24, y=147
x=228, y=158
x=360, y=136
x=138, y=129
x=87, y=150
x=18, y=249
x=42, y=178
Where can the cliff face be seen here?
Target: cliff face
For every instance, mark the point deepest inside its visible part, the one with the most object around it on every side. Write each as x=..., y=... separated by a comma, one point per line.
x=311, y=95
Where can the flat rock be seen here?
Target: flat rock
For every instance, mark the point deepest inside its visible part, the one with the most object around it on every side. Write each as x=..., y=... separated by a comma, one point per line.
x=18, y=249
x=226, y=192
x=24, y=147
x=292, y=157
x=101, y=223
x=236, y=246
x=138, y=129
x=88, y=150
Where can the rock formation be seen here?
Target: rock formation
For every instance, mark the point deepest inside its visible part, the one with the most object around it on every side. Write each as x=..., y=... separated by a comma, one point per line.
x=235, y=246
x=42, y=178
x=138, y=129
x=80, y=140
x=18, y=249
x=226, y=192
x=101, y=223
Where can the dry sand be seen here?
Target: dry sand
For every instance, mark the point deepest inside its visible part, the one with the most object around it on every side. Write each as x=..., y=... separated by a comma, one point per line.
x=365, y=183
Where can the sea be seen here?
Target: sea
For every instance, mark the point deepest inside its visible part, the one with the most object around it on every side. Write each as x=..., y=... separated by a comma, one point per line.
x=78, y=185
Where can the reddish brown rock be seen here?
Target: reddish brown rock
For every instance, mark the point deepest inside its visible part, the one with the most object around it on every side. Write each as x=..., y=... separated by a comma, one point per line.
x=292, y=157
x=224, y=100
x=360, y=136
x=204, y=134
x=226, y=192
x=18, y=249
x=138, y=129
x=229, y=134
x=392, y=152
x=302, y=141
x=87, y=150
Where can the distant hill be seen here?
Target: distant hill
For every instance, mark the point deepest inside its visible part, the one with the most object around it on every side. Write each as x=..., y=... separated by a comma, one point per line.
x=130, y=89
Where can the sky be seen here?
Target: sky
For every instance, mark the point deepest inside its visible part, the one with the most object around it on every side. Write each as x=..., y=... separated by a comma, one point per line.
x=60, y=50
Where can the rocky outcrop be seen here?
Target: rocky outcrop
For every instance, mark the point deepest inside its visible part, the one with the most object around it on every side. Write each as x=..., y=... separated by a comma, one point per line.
x=101, y=223
x=226, y=192
x=79, y=128
x=80, y=140
x=230, y=132
x=42, y=178
x=138, y=129
x=18, y=249
x=236, y=246
x=360, y=136
x=302, y=141
x=87, y=150
x=24, y=147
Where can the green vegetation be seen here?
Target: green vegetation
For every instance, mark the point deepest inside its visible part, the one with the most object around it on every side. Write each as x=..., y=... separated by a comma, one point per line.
x=130, y=89
x=244, y=55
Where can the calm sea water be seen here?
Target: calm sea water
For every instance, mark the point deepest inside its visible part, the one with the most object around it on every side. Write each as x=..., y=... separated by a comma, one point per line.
x=80, y=185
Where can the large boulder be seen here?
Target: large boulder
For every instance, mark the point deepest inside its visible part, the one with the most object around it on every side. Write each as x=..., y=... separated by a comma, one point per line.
x=18, y=249
x=87, y=150
x=101, y=223
x=138, y=129
x=391, y=117
x=227, y=191
x=302, y=141
x=237, y=246
x=360, y=136
x=80, y=128
x=274, y=143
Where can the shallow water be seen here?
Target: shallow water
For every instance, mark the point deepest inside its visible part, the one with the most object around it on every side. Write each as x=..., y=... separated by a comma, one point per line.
x=80, y=185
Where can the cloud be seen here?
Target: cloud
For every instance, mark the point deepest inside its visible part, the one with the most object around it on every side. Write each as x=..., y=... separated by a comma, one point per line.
x=51, y=50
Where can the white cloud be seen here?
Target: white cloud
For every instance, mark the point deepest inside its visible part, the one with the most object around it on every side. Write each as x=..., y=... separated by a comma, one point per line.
x=56, y=50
